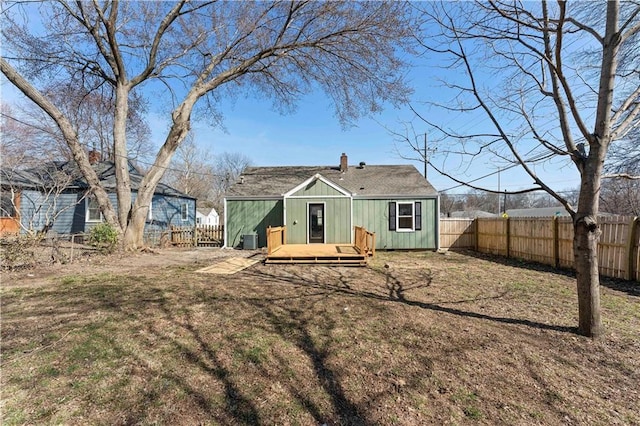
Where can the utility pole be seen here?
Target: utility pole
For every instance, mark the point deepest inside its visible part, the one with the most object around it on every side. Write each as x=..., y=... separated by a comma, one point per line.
x=498, y=197
x=504, y=205
x=425, y=156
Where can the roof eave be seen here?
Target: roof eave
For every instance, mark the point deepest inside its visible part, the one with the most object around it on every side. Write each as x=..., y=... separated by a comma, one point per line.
x=393, y=196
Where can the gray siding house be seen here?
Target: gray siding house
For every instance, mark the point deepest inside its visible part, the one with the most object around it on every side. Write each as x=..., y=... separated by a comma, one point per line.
x=324, y=204
x=54, y=197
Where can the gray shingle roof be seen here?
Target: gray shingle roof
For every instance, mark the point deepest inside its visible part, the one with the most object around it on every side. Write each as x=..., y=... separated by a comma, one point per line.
x=391, y=180
x=44, y=176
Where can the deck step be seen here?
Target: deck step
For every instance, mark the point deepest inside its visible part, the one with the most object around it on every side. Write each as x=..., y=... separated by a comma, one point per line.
x=338, y=261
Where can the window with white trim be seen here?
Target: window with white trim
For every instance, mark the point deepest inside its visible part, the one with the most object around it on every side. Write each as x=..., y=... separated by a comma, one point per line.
x=405, y=216
x=150, y=212
x=93, y=209
x=184, y=211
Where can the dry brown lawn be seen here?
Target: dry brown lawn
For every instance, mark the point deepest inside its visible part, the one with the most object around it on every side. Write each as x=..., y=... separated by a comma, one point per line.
x=430, y=339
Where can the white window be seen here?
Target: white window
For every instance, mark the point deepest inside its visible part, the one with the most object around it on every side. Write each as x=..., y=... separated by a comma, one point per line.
x=150, y=212
x=184, y=211
x=93, y=209
x=405, y=216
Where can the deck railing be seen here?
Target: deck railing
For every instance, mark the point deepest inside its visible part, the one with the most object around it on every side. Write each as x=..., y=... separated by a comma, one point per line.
x=365, y=241
x=276, y=236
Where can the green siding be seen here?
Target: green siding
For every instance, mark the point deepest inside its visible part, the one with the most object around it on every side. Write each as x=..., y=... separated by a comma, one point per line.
x=337, y=219
x=317, y=188
x=249, y=216
x=374, y=215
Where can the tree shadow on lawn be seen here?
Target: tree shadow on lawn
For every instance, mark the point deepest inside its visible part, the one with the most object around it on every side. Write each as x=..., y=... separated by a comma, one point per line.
x=293, y=324
x=238, y=407
x=632, y=288
x=395, y=291
x=129, y=307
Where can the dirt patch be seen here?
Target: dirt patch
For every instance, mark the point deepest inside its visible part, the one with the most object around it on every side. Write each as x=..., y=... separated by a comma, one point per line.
x=415, y=338
x=125, y=262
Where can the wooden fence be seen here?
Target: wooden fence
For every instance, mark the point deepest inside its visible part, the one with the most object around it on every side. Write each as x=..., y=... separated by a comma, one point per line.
x=548, y=241
x=197, y=236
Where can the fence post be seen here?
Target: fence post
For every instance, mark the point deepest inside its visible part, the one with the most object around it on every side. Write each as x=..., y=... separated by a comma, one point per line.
x=73, y=240
x=508, y=237
x=633, y=225
x=476, y=234
x=195, y=235
x=556, y=241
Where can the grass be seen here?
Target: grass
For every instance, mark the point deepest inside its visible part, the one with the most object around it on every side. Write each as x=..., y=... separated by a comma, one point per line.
x=429, y=339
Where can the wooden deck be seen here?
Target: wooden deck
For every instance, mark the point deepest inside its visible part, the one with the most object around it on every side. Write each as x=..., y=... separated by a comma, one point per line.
x=330, y=254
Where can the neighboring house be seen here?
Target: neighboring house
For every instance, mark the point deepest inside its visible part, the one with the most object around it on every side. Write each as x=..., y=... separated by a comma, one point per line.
x=209, y=217
x=538, y=212
x=470, y=214
x=324, y=204
x=54, y=196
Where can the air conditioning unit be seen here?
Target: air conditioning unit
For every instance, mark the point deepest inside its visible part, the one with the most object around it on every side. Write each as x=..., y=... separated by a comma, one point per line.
x=250, y=241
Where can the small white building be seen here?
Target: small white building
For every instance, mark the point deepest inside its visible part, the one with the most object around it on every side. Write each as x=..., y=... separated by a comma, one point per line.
x=208, y=217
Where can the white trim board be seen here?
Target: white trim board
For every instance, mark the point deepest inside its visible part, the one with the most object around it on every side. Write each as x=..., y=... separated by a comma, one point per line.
x=318, y=176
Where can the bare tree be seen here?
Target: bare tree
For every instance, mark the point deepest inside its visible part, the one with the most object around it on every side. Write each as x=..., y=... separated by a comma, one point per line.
x=92, y=117
x=202, y=52
x=534, y=83
x=624, y=158
x=621, y=196
x=228, y=166
x=192, y=170
x=22, y=144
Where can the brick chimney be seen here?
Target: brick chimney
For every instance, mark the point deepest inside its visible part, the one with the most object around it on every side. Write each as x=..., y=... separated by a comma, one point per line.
x=94, y=156
x=343, y=163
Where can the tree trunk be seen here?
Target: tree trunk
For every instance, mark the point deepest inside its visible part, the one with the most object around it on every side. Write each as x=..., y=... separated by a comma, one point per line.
x=134, y=233
x=121, y=160
x=585, y=247
x=585, y=240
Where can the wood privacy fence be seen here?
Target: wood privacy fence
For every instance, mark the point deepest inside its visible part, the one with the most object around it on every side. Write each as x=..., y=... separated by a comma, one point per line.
x=548, y=241
x=197, y=236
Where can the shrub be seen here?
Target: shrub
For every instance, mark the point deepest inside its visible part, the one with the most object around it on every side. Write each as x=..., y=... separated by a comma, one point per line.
x=104, y=237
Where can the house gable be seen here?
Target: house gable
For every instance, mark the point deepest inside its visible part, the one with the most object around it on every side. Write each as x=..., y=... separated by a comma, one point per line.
x=317, y=186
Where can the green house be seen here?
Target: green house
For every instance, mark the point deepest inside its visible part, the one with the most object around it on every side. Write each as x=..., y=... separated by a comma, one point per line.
x=324, y=204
